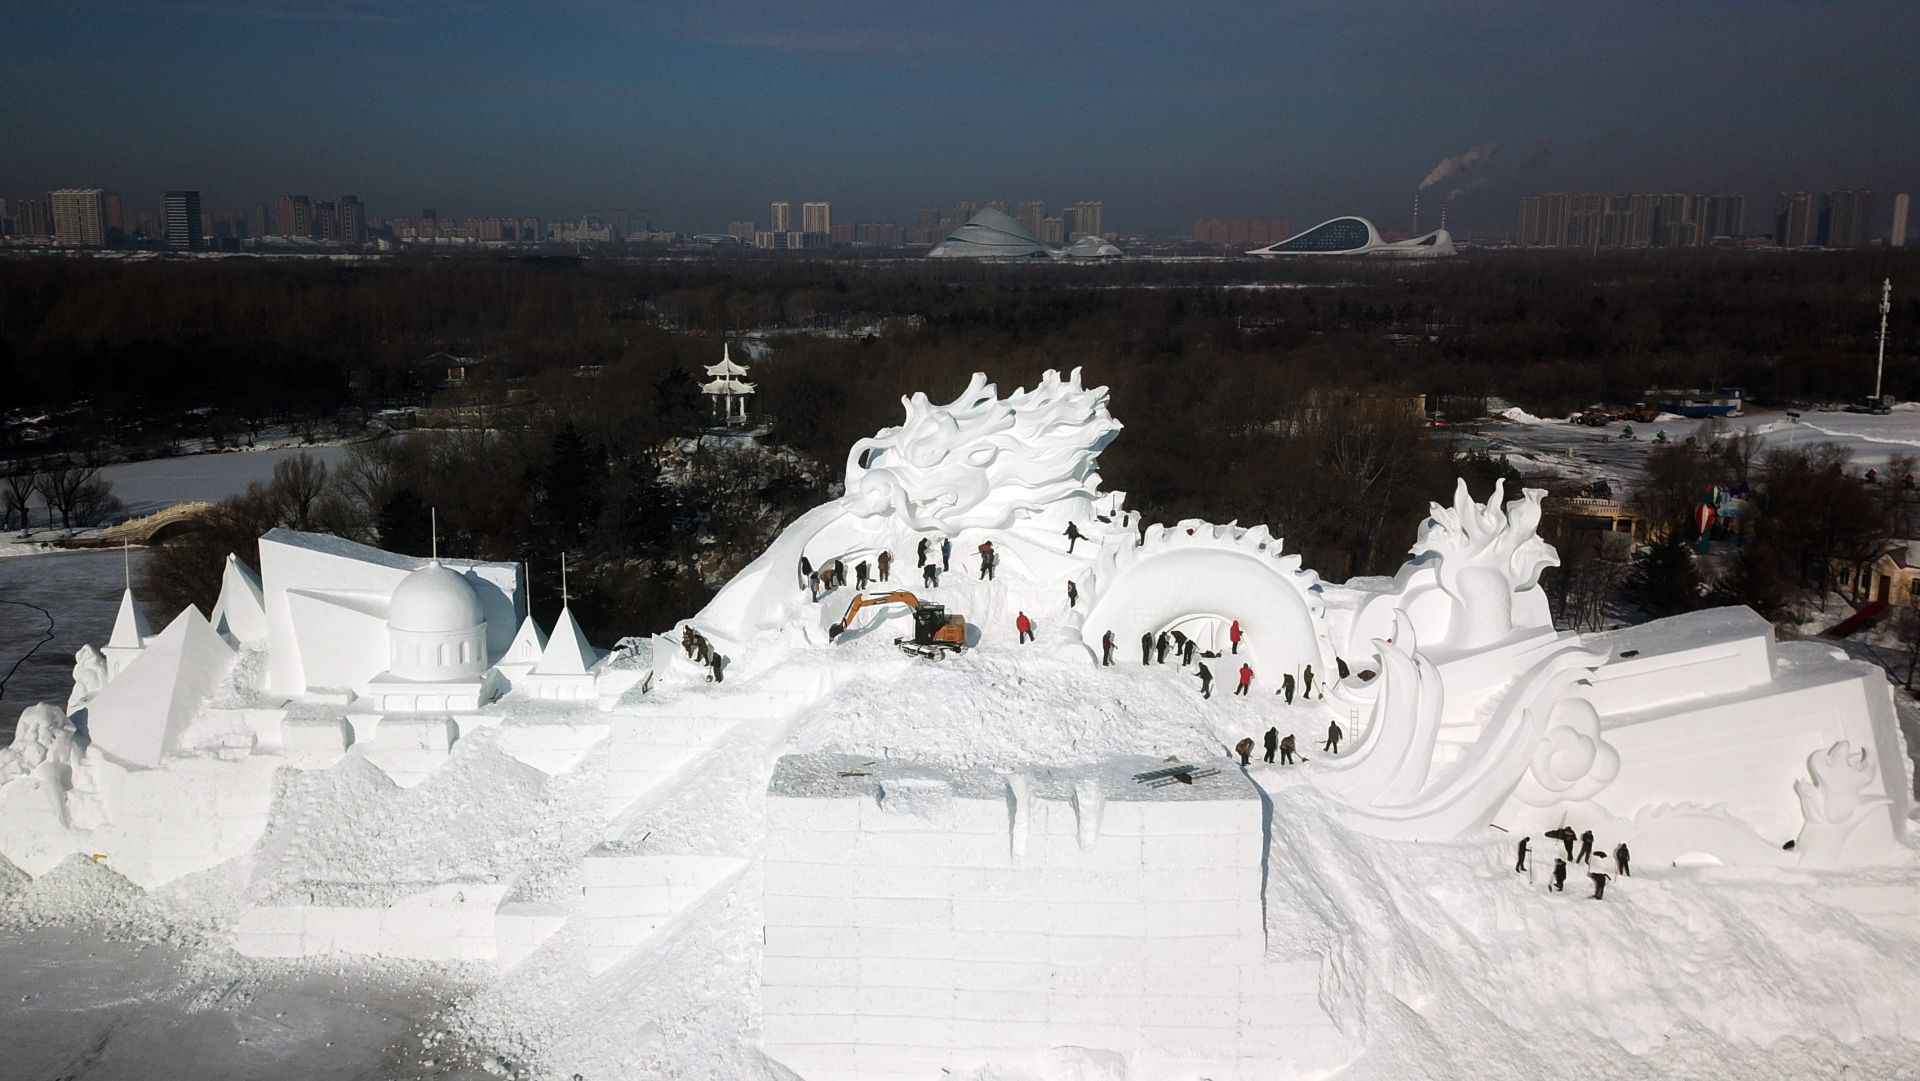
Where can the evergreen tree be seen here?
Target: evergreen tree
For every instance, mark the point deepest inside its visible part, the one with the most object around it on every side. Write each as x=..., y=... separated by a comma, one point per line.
x=678, y=402
x=1664, y=581
x=570, y=486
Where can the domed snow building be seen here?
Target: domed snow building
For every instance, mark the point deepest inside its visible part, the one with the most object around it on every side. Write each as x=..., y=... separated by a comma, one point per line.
x=437, y=656
x=1356, y=236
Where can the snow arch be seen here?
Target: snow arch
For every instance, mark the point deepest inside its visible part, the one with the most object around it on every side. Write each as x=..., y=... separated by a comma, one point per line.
x=1200, y=570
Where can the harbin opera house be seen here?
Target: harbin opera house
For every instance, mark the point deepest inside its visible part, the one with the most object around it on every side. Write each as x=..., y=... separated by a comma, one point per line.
x=1357, y=236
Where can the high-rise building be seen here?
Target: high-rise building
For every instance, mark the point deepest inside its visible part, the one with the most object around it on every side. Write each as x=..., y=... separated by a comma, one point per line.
x=295, y=216
x=1089, y=218
x=782, y=218
x=1846, y=218
x=880, y=234
x=841, y=233
x=326, y=221
x=741, y=229
x=1794, y=224
x=352, y=216
x=180, y=221
x=926, y=225
x=816, y=217
x=30, y=219
x=1897, y=237
x=1031, y=214
x=79, y=217
x=1053, y=231
x=1723, y=215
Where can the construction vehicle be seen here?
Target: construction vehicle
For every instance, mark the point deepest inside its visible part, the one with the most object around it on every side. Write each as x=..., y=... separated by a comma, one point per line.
x=934, y=631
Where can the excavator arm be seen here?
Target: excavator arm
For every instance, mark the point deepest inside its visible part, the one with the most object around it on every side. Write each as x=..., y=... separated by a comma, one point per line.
x=869, y=600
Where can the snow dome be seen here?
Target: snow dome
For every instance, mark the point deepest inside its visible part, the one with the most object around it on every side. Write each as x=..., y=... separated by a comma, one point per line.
x=436, y=626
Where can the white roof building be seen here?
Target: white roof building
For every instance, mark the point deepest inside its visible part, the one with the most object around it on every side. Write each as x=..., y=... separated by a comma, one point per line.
x=1356, y=236
x=726, y=384
x=991, y=234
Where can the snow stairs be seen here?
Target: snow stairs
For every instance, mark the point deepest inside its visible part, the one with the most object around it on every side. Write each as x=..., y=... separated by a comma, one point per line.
x=628, y=892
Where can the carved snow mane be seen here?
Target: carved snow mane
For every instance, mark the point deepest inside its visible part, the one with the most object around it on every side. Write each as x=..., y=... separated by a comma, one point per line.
x=1484, y=553
x=981, y=460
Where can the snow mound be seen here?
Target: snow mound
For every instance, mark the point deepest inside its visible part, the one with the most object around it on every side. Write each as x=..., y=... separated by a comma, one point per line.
x=1520, y=416
x=81, y=892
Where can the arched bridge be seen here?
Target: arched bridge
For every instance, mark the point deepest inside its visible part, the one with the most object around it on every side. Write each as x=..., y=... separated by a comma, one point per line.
x=155, y=528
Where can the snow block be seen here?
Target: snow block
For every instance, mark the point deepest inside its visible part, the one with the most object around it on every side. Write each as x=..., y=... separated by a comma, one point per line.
x=139, y=716
x=1142, y=934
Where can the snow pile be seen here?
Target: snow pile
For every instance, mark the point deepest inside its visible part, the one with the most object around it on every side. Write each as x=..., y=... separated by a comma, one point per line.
x=1520, y=416
x=81, y=892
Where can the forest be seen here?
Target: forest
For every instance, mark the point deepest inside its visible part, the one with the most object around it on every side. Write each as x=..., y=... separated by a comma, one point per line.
x=1285, y=393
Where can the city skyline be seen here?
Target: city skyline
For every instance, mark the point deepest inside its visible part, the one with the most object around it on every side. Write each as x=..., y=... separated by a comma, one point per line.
x=1169, y=115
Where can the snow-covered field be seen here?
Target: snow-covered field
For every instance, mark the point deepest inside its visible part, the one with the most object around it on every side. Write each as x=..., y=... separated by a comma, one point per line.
x=1577, y=452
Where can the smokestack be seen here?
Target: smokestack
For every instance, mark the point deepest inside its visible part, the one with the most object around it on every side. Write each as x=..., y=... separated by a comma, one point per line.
x=1416, y=213
x=1443, y=213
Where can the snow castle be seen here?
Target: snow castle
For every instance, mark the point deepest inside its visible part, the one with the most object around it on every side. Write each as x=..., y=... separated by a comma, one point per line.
x=948, y=863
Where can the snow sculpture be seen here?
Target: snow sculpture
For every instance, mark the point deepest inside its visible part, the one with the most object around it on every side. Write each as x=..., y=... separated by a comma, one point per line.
x=89, y=675
x=138, y=717
x=130, y=634
x=1391, y=760
x=43, y=736
x=1845, y=825
x=981, y=460
x=1224, y=572
x=240, y=614
x=1572, y=762
x=1485, y=552
x=437, y=645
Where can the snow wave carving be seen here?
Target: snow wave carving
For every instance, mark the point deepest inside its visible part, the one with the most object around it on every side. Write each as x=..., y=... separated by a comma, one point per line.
x=1394, y=755
x=981, y=460
x=1573, y=761
x=1486, y=552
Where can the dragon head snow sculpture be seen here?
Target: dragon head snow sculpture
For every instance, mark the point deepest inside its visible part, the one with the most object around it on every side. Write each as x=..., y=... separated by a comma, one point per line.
x=981, y=460
x=1485, y=553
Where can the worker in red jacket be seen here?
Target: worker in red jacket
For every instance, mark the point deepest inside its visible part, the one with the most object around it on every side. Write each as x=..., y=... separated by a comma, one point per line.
x=1025, y=626
x=1233, y=635
x=1246, y=679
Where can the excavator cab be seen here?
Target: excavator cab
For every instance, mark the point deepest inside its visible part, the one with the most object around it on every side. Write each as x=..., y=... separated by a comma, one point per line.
x=935, y=632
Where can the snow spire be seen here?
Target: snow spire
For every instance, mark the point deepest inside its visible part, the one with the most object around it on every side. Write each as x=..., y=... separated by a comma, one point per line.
x=433, y=517
x=567, y=652
x=130, y=628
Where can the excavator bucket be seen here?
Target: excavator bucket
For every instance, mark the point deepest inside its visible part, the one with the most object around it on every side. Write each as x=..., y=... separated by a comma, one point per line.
x=836, y=631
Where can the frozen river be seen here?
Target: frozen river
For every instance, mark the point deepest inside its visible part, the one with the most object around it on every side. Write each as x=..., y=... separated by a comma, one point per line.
x=81, y=589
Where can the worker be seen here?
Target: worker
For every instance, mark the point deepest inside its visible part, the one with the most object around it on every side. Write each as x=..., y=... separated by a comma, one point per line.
x=1306, y=683
x=885, y=562
x=1559, y=875
x=1286, y=750
x=1106, y=650
x=924, y=544
x=1233, y=635
x=1273, y=743
x=1146, y=648
x=1286, y=687
x=1246, y=679
x=1332, y=745
x=813, y=581
x=862, y=574
x=1565, y=836
x=1025, y=626
x=806, y=571
x=1340, y=664
x=1599, y=884
x=1073, y=536
x=1244, y=749
x=1179, y=645
x=686, y=640
x=1187, y=656
x=1586, y=846
x=1620, y=856
x=1073, y=594
x=1521, y=864
x=929, y=575
x=839, y=573
x=715, y=663
x=1206, y=680
x=946, y=553
x=1160, y=645
x=986, y=560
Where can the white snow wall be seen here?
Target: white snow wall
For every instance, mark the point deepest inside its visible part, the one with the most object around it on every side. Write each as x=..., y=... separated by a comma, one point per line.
x=917, y=923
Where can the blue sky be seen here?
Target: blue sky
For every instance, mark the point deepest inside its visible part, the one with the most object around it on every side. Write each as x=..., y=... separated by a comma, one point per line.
x=701, y=113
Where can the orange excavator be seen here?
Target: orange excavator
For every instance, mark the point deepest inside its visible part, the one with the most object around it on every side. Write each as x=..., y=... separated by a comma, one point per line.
x=934, y=631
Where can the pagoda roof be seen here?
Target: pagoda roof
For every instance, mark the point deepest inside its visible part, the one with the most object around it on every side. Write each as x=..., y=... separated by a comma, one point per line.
x=726, y=365
x=727, y=386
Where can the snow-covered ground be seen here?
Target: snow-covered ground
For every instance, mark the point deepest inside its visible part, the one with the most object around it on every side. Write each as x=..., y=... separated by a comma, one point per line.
x=1563, y=448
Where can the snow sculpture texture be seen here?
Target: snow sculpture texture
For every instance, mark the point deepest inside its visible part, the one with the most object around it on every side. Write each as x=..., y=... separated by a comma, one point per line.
x=1485, y=552
x=44, y=736
x=1394, y=755
x=981, y=460
x=1844, y=824
x=89, y=675
x=1572, y=762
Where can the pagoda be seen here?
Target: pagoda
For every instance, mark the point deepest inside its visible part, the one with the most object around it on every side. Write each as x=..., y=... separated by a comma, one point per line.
x=726, y=384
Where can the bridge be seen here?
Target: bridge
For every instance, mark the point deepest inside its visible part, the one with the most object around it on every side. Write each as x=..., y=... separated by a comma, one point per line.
x=156, y=528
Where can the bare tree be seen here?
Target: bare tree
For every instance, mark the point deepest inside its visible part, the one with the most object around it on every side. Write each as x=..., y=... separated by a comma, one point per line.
x=299, y=483
x=16, y=490
x=76, y=491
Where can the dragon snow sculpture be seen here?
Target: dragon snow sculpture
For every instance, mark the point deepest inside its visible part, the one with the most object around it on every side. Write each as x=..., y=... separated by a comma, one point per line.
x=1485, y=553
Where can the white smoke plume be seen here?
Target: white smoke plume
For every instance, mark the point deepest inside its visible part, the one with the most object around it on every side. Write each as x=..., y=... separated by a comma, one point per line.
x=1453, y=166
x=1465, y=188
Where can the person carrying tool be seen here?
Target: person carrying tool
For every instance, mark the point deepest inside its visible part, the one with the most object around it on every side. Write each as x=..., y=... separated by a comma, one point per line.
x=1246, y=679
x=1106, y=650
x=1520, y=865
x=1286, y=750
x=929, y=575
x=1025, y=627
x=1273, y=743
x=1206, y=680
x=862, y=574
x=1244, y=749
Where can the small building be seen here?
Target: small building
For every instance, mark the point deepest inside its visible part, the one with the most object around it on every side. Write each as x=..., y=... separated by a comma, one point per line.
x=1890, y=577
x=726, y=384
